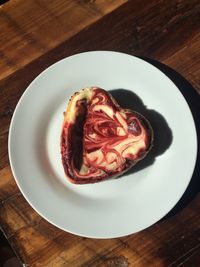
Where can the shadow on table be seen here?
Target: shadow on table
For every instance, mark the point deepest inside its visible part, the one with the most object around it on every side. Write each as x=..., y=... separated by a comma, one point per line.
x=7, y=255
x=193, y=100
x=162, y=132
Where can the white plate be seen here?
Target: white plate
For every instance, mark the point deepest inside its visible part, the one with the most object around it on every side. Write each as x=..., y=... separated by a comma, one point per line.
x=113, y=208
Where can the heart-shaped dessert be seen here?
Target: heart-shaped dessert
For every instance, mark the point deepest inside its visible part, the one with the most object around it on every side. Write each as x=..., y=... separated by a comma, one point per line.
x=99, y=139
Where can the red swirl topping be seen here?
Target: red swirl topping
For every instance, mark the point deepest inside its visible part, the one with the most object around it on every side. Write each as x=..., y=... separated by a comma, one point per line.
x=100, y=139
x=111, y=135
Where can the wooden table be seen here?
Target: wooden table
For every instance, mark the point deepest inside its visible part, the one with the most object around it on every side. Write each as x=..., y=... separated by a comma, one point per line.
x=36, y=33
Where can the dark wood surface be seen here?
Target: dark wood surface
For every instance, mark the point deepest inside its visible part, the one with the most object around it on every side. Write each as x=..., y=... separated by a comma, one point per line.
x=35, y=34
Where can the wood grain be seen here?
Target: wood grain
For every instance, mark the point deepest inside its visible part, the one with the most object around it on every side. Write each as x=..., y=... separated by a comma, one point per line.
x=168, y=31
x=30, y=28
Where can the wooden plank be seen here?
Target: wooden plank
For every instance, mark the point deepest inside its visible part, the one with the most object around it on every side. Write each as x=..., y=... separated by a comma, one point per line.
x=187, y=60
x=73, y=250
x=45, y=239
x=8, y=187
x=15, y=217
x=31, y=28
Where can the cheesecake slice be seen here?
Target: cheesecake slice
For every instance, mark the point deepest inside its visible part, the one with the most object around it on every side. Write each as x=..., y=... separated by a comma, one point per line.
x=100, y=140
